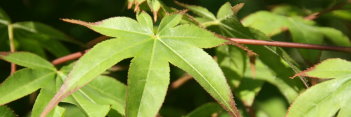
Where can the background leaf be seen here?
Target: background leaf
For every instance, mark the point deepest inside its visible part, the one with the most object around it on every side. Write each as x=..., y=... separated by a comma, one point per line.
x=29, y=60
x=330, y=68
x=6, y=112
x=42, y=29
x=200, y=11
x=4, y=18
x=205, y=110
x=302, y=31
x=22, y=83
x=272, y=107
x=231, y=27
x=225, y=11
x=333, y=94
x=27, y=33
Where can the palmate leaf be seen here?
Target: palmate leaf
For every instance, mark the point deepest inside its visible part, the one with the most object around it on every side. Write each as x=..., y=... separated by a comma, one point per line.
x=333, y=94
x=149, y=71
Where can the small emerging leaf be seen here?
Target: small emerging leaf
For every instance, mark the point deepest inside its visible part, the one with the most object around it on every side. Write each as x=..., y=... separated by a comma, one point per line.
x=154, y=5
x=200, y=11
x=225, y=11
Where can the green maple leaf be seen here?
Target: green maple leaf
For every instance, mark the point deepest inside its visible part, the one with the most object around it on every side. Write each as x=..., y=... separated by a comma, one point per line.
x=96, y=99
x=152, y=50
x=333, y=94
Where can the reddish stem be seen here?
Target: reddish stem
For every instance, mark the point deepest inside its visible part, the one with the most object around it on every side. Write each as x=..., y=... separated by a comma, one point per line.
x=68, y=57
x=180, y=81
x=289, y=44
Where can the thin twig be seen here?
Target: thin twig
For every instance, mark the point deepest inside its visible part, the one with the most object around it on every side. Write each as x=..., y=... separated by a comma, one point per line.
x=316, y=15
x=289, y=44
x=12, y=46
x=180, y=81
x=97, y=40
x=69, y=57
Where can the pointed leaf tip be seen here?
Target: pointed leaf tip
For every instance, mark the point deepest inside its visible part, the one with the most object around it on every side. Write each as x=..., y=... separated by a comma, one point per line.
x=73, y=21
x=330, y=68
x=155, y=15
x=238, y=7
x=304, y=73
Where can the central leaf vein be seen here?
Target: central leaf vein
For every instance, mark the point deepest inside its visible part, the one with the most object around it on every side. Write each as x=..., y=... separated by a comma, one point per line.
x=148, y=72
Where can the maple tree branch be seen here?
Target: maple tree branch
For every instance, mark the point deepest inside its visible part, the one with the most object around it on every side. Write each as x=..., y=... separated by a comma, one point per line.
x=289, y=44
x=69, y=57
